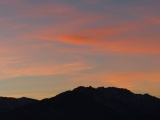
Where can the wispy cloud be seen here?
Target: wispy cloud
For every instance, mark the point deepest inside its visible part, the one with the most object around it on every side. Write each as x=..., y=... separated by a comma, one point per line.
x=42, y=38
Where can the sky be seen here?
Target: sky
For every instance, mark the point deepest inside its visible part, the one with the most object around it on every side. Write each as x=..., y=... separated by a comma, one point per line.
x=50, y=46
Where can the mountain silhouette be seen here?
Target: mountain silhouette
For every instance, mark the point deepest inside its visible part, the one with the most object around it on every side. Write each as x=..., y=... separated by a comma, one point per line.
x=9, y=104
x=87, y=103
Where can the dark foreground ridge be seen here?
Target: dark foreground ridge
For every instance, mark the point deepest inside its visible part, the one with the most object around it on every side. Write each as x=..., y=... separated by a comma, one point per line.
x=84, y=103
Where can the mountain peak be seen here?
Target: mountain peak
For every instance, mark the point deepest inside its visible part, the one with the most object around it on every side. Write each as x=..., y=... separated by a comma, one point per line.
x=91, y=103
x=82, y=88
x=112, y=90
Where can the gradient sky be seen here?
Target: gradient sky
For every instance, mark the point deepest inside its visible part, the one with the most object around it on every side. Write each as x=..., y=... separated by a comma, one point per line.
x=50, y=46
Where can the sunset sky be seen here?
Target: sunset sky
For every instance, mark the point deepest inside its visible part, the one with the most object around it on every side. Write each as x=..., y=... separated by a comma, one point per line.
x=50, y=46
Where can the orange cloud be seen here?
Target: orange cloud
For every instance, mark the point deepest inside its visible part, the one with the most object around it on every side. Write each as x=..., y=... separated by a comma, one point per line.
x=31, y=41
x=135, y=44
x=43, y=70
x=108, y=38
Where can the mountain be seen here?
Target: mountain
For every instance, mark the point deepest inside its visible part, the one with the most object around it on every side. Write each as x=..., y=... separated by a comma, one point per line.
x=87, y=103
x=9, y=104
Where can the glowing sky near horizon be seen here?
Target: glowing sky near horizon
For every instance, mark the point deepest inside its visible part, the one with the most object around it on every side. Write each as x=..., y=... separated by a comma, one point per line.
x=50, y=46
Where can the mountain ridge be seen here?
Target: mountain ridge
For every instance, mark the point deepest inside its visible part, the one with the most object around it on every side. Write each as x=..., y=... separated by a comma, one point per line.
x=90, y=103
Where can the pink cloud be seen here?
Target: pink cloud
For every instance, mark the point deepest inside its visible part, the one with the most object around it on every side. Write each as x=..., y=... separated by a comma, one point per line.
x=103, y=38
x=42, y=70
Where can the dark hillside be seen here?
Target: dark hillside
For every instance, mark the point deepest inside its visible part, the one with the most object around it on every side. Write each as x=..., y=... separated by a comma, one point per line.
x=87, y=103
